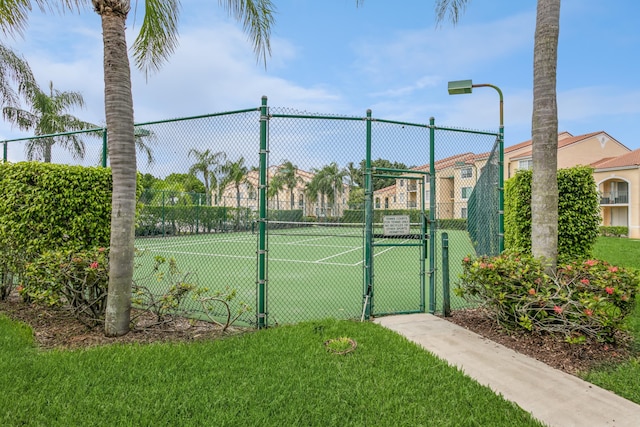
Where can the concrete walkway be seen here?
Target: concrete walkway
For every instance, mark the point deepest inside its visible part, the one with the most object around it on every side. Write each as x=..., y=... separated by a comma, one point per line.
x=550, y=395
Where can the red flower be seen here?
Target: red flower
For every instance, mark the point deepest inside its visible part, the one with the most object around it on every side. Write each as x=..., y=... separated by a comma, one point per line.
x=557, y=309
x=532, y=291
x=588, y=312
x=584, y=281
x=101, y=249
x=466, y=259
x=608, y=290
x=94, y=264
x=591, y=262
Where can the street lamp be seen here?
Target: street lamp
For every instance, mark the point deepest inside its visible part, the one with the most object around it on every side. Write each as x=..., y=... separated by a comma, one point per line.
x=461, y=87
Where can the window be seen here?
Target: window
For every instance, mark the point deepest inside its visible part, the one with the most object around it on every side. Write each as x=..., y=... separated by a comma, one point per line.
x=463, y=213
x=401, y=199
x=386, y=203
x=466, y=173
x=394, y=199
x=377, y=202
x=466, y=192
x=300, y=200
x=402, y=183
x=525, y=164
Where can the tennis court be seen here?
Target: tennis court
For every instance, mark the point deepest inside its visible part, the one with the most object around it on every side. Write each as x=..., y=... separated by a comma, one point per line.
x=313, y=272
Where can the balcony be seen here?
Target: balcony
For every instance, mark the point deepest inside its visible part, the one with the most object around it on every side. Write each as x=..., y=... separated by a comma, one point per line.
x=412, y=187
x=614, y=198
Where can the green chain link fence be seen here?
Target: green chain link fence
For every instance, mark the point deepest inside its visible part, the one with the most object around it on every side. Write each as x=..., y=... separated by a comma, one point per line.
x=306, y=216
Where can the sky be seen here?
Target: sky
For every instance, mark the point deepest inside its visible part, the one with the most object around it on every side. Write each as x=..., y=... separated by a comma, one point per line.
x=335, y=58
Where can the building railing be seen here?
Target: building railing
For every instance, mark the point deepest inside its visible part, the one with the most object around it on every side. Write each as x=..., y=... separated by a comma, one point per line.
x=614, y=198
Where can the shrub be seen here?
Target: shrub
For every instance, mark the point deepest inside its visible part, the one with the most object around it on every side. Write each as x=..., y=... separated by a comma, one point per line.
x=614, y=231
x=74, y=280
x=578, y=212
x=583, y=299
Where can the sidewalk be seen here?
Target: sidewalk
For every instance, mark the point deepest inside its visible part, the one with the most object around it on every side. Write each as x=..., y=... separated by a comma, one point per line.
x=550, y=395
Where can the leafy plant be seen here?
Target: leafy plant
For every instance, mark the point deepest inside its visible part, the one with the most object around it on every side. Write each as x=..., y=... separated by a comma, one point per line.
x=578, y=208
x=582, y=299
x=172, y=303
x=164, y=305
x=77, y=280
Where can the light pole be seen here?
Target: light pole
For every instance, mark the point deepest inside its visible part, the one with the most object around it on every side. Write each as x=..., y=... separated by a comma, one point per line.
x=460, y=87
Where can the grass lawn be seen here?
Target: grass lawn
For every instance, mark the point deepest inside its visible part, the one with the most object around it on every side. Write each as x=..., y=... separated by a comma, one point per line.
x=622, y=379
x=276, y=377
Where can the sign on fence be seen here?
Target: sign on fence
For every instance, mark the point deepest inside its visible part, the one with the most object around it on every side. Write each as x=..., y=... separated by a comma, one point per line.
x=395, y=225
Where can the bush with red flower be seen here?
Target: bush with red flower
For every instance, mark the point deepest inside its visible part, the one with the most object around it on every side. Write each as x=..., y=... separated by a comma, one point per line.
x=582, y=299
x=71, y=279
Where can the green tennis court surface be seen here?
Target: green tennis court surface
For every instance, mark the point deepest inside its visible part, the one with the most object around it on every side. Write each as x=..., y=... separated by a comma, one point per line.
x=310, y=275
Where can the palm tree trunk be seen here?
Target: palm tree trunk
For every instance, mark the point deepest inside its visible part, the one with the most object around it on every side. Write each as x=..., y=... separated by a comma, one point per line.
x=121, y=139
x=544, y=133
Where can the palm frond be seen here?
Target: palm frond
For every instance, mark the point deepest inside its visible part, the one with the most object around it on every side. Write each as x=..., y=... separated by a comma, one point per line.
x=257, y=18
x=451, y=9
x=158, y=35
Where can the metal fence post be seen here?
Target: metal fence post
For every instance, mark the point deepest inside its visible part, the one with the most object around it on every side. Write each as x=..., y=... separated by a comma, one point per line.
x=368, y=219
x=432, y=217
x=104, y=148
x=446, y=300
x=262, y=222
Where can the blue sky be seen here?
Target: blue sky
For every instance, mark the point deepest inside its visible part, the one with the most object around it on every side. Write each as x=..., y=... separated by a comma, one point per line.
x=334, y=57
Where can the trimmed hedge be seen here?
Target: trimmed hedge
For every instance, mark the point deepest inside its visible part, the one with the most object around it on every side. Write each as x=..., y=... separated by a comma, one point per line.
x=614, y=231
x=578, y=212
x=47, y=207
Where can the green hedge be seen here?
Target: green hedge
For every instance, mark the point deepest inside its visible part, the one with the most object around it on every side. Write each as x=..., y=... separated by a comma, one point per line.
x=578, y=212
x=614, y=231
x=54, y=207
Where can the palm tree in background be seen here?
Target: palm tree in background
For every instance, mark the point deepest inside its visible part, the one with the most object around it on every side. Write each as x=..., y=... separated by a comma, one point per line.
x=14, y=72
x=326, y=185
x=207, y=164
x=235, y=173
x=544, y=124
x=288, y=173
x=49, y=114
x=157, y=39
x=276, y=185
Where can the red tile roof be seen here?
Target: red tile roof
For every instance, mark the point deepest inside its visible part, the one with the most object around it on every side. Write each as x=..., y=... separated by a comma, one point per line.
x=628, y=159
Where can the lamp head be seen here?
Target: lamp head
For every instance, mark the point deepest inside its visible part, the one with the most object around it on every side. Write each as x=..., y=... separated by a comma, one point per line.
x=460, y=87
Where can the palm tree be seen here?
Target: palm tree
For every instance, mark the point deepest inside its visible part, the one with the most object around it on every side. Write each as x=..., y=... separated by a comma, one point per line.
x=544, y=125
x=13, y=71
x=288, y=173
x=327, y=183
x=154, y=44
x=544, y=134
x=208, y=164
x=49, y=114
x=235, y=173
x=276, y=185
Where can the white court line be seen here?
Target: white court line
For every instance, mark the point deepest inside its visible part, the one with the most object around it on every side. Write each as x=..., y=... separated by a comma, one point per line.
x=383, y=251
x=253, y=258
x=341, y=253
x=182, y=244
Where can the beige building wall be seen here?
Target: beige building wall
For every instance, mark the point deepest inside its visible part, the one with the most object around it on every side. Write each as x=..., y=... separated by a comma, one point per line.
x=617, y=212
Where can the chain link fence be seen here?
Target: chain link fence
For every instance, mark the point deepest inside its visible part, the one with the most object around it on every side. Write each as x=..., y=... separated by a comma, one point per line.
x=305, y=216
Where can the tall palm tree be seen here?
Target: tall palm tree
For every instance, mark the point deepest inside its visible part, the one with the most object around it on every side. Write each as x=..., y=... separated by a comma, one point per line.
x=208, y=164
x=544, y=124
x=288, y=173
x=544, y=134
x=154, y=44
x=235, y=173
x=276, y=185
x=326, y=185
x=49, y=114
